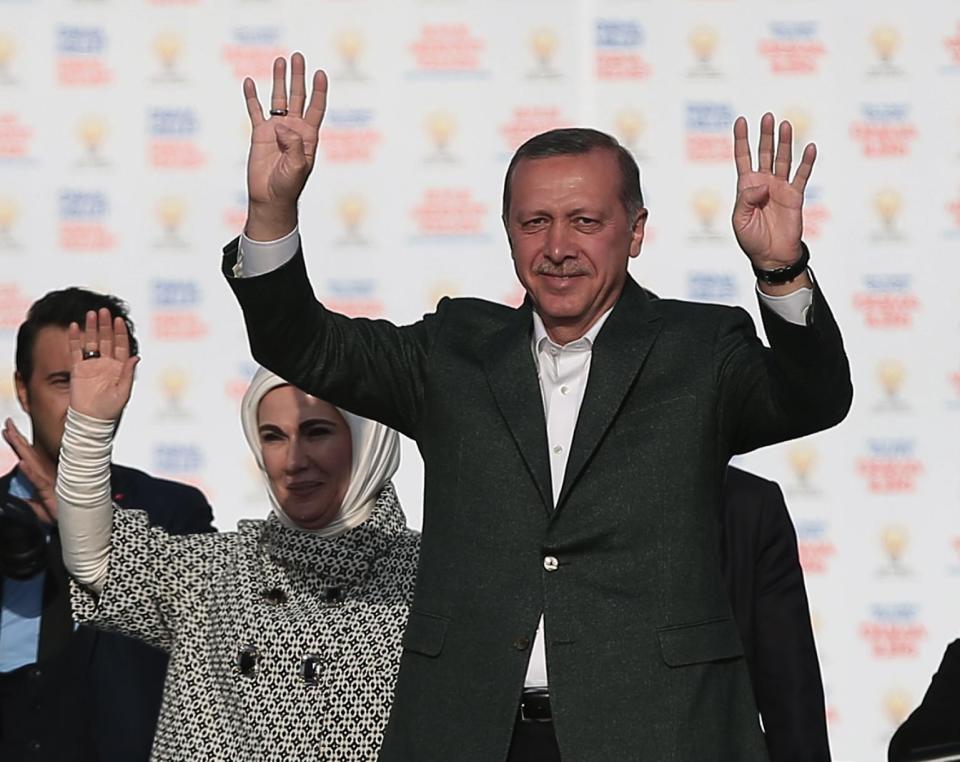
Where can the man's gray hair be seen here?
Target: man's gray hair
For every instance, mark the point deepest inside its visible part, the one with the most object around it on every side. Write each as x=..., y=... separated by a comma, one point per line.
x=572, y=141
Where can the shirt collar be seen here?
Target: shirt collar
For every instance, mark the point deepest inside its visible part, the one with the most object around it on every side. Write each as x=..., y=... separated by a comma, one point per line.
x=540, y=337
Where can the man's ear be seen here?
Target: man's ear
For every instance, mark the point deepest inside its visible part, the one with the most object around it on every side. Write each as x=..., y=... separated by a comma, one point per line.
x=639, y=222
x=23, y=394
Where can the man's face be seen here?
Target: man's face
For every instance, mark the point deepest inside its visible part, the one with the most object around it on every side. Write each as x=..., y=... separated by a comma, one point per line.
x=571, y=238
x=46, y=395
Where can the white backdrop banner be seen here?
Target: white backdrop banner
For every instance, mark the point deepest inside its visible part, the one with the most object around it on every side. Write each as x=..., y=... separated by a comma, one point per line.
x=123, y=137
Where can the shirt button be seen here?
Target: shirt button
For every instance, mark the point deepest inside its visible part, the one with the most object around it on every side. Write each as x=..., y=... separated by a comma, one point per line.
x=564, y=390
x=550, y=563
x=557, y=449
x=521, y=643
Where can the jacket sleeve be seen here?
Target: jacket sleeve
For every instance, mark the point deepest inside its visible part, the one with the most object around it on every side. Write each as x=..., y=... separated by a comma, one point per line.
x=193, y=514
x=933, y=725
x=799, y=385
x=155, y=581
x=370, y=367
x=788, y=684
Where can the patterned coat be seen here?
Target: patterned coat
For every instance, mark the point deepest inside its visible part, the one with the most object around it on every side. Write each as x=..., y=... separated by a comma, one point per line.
x=283, y=645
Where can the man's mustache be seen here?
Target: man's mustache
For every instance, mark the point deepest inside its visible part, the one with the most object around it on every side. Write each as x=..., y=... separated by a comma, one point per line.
x=566, y=269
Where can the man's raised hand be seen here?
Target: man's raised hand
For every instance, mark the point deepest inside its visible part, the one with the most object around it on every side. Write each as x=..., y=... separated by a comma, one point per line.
x=100, y=385
x=283, y=149
x=768, y=213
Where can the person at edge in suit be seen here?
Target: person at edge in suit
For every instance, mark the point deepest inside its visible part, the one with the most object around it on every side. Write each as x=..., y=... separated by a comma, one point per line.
x=932, y=731
x=761, y=566
x=569, y=601
x=68, y=693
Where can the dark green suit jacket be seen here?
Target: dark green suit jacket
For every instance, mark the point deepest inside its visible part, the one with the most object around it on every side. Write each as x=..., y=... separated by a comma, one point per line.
x=644, y=659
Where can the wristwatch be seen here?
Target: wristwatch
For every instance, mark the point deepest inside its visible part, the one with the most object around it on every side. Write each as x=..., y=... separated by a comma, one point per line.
x=785, y=274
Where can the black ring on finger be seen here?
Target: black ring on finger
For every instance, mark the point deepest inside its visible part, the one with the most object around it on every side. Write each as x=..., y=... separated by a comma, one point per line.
x=278, y=112
x=89, y=354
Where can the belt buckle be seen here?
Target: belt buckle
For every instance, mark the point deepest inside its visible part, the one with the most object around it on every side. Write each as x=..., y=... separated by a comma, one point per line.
x=534, y=715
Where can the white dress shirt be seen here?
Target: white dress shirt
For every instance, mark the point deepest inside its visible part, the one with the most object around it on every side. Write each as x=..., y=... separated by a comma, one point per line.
x=563, y=372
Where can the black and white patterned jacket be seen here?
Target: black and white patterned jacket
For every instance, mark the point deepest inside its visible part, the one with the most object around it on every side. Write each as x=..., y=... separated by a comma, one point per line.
x=283, y=645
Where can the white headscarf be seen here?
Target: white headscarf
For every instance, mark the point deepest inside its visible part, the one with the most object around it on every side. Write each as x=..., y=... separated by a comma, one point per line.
x=376, y=455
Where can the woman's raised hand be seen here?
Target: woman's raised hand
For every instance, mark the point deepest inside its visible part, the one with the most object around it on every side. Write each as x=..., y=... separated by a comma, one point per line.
x=101, y=368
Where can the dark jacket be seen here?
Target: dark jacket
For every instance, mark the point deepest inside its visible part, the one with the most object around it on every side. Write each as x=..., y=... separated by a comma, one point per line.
x=932, y=731
x=644, y=658
x=93, y=696
x=761, y=565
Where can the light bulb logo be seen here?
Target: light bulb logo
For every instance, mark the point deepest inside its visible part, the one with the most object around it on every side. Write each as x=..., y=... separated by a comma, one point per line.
x=544, y=44
x=703, y=43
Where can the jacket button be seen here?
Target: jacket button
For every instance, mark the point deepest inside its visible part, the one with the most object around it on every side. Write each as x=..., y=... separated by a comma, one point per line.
x=522, y=643
x=275, y=595
x=310, y=669
x=247, y=658
x=333, y=595
x=550, y=563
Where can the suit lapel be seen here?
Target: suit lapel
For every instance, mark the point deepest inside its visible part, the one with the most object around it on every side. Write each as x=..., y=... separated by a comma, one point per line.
x=512, y=376
x=618, y=354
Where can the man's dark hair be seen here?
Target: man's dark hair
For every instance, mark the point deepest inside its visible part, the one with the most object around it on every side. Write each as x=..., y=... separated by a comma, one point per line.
x=572, y=141
x=60, y=308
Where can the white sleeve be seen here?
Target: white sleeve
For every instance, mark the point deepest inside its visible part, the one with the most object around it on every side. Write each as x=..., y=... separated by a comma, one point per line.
x=793, y=307
x=260, y=257
x=84, y=505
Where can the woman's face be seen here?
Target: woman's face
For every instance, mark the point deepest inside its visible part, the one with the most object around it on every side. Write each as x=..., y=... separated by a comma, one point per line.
x=308, y=454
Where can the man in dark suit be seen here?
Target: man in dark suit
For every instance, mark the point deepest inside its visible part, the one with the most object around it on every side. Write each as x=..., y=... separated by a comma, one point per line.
x=73, y=694
x=569, y=596
x=932, y=731
x=761, y=566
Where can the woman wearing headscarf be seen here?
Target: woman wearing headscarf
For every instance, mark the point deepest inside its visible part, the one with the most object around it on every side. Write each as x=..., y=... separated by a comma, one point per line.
x=284, y=636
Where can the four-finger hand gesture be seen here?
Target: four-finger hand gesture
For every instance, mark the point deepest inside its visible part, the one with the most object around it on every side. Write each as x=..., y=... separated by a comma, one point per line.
x=768, y=213
x=283, y=147
x=100, y=384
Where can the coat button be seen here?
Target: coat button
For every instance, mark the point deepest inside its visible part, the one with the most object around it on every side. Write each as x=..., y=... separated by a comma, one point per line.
x=550, y=563
x=522, y=643
x=333, y=595
x=247, y=658
x=310, y=669
x=275, y=595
